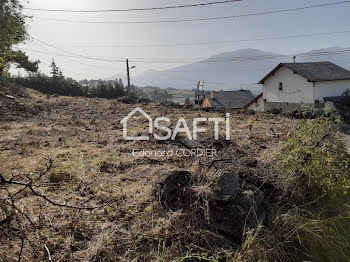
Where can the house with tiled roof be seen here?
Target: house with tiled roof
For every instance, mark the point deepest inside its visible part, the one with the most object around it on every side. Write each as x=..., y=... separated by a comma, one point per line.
x=227, y=99
x=292, y=86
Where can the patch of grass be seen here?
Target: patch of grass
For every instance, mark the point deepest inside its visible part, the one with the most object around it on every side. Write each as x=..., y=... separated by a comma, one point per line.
x=59, y=177
x=326, y=239
x=65, y=172
x=300, y=235
x=197, y=257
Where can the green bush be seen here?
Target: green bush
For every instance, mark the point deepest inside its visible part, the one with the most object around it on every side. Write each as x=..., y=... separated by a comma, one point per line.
x=344, y=107
x=314, y=162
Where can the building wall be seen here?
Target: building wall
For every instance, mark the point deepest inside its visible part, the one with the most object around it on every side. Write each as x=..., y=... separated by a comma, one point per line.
x=258, y=106
x=289, y=107
x=296, y=89
x=330, y=88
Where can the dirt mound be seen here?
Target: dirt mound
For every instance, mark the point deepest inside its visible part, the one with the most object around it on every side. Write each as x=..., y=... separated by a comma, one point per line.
x=16, y=103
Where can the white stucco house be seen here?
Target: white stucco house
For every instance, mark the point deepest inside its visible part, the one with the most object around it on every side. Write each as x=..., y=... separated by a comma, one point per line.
x=257, y=104
x=291, y=86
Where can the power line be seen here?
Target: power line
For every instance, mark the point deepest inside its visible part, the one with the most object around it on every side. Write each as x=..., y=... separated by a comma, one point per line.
x=198, y=19
x=132, y=9
x=208, y=60
x=248, y=58
x=78, y=55
x=200, y=60
x=72, y=72
x=240, y=70
x=208, y=82
x=215, y=42
x=69, y=59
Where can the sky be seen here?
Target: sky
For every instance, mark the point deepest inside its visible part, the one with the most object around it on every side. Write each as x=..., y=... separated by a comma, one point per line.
x=91, y=39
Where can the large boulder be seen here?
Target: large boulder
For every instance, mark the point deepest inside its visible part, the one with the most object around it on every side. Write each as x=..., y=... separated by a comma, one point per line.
x=171, y=188
x=225, y=186
x=233, y=210
x=228, y=219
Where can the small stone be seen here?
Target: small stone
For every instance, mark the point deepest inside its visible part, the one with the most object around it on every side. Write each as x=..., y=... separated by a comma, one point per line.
x=258, y=194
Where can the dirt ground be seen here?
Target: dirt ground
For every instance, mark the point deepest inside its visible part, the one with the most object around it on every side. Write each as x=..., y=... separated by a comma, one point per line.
x=92, y=167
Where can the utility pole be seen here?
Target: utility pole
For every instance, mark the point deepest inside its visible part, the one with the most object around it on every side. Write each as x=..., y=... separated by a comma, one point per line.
x=128, y=73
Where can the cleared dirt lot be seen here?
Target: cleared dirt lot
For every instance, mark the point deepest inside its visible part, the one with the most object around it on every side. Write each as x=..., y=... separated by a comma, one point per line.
x=92, y=167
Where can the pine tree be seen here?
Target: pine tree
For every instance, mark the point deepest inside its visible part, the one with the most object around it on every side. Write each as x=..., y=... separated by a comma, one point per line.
x=55, y=71
x=119, y=90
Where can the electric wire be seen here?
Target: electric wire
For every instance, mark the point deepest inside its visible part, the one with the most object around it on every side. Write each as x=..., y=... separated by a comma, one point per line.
x=132, y=9
x=198, y=19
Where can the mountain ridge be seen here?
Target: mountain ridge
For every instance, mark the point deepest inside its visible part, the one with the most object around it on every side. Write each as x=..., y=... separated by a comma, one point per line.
x=234, y=70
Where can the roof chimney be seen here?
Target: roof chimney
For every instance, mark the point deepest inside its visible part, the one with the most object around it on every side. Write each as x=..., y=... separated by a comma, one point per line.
x=294, y=58
x=213, y=95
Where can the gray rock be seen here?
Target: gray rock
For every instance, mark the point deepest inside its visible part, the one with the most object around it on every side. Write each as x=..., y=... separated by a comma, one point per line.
x=236, y=218
x=171, y=188
x=191, y=144
x=226, y=186
x=228, y=219
x=232, y=210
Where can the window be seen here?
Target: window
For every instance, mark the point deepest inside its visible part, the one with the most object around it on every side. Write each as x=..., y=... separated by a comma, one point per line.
x=280, y=86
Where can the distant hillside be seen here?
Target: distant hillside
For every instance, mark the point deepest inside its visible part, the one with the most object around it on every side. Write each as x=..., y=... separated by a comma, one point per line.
x=244, y=67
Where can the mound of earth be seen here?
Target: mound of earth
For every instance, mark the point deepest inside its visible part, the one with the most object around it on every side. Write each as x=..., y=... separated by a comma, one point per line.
x=16, y=103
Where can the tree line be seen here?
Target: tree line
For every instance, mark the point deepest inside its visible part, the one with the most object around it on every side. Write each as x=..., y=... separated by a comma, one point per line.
x=13, y=31
x=58, y=84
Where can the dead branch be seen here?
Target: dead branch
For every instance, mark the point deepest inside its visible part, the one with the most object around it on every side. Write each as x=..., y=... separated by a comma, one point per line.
x=31, y=186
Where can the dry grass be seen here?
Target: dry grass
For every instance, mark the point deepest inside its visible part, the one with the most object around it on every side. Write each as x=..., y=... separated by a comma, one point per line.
x=92, y=166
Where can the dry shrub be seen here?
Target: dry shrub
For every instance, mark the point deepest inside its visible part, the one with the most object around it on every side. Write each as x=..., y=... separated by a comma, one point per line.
x=313, y=168
x=314, y=163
